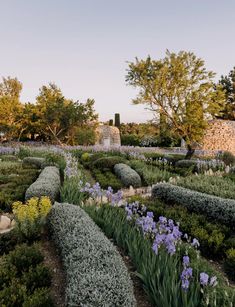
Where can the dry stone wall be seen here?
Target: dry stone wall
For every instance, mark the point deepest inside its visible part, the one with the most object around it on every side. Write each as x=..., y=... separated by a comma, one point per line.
x=108, y=136
x=220, y=135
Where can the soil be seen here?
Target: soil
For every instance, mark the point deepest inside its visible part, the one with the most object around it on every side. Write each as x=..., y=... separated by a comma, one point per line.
x=53, y=262
x=140, y=295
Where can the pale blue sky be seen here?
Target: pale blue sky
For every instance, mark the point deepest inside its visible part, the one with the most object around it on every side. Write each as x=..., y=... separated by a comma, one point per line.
x=83, y=45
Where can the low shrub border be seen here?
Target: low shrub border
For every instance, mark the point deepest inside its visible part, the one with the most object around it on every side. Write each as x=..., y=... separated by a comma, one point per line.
x=216, y=208
x=35, y=161
x=96, y=274
x=47, y=184
x=127, y=175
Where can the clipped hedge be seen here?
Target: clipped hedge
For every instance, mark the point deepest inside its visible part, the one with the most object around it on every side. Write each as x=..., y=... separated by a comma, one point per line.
x=108, y=162
x=216, y=208
x=127, y=175
x=35, y=161
x=95, y=272
x=47, y=184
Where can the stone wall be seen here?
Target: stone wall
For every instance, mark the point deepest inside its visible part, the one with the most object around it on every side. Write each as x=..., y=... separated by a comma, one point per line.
x=108, y=136
x=220, y=135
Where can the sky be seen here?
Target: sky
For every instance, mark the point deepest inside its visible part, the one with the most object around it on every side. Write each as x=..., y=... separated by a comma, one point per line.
x=84, y=46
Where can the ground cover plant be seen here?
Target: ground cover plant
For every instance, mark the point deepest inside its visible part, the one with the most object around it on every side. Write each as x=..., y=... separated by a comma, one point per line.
x=14, y=181
x=214, y=185
x=149, y=173
x=23, y=278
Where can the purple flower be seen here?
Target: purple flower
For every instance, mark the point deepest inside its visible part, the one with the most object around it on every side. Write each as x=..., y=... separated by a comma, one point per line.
x=204, y=278
x=150, y=214
x=186, y=274
x=186, y=261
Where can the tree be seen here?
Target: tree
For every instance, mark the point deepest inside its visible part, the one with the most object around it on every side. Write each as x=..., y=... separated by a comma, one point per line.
x=179, y=88
x=10, y=106
x=59, y=118
x=228, y=84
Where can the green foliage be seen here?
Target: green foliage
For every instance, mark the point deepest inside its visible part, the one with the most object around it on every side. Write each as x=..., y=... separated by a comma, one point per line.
x=150, y=174
x=40, y=298
x=8, y=241
x=47, y=184
x=85, y=136
x=23, y=152
x=9, y=158
x=95, y=272
x=85, y=156
x=178, y=88
x=33, y=161
x=212, y=236
x=22, y=274
x=14, y=181
x=108, y=162
x=159, y=274
x=229, y=264
x=228, y=85
x=212, y=185
x=127, y=175
x=107, y=179
x=215, y=208
x=130, y=140
x=70, y=191
x=24, y=257
x=117, y=120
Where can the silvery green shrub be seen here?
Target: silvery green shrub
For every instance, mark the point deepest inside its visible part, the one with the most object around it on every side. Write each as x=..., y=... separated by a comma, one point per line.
x=216, y=208
x=36, y=161
x=95, y=272
x=127, y=175
x=47, y=184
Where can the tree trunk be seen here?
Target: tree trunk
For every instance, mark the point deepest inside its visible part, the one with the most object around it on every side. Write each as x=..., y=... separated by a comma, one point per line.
x=190, y=152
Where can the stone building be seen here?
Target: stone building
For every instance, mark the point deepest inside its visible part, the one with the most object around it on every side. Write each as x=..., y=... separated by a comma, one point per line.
x=108, y=136
x=220, y=135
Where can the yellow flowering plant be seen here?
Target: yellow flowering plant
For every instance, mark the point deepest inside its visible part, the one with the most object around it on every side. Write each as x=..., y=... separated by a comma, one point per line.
x=31, y=216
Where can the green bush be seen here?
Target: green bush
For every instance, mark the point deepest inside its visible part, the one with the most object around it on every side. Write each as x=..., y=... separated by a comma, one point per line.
x=95, y=272
x=186, y=164
x=14, y=181
x=213, y=185
x=85, y=156
x=23, y=152
x=8, y=158
x=130, y=140
x=85, y=136
x=36, y=277
x=107, y=179
x=23, y=277
x=150, y=174
x=8, y=241
x=215, y=208
x=34, y=161
x=108, y=162
x=23, y=257
x=229, y=264
x=47, y=184
x=39, y=298
x=127, y=175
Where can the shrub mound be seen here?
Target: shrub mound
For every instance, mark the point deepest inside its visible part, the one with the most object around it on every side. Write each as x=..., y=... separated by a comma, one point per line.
x=128, y=176
x=219, y=209
x=96, y=274
x=47, y=184
x=108, y=162
x=35, y=161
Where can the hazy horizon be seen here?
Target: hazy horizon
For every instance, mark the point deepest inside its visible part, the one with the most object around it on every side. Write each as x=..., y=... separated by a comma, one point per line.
x=84, y=46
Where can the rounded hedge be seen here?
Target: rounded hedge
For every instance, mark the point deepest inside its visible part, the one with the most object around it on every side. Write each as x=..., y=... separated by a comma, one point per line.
x=95, y=272
x=108, y=162
x=127, y=175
